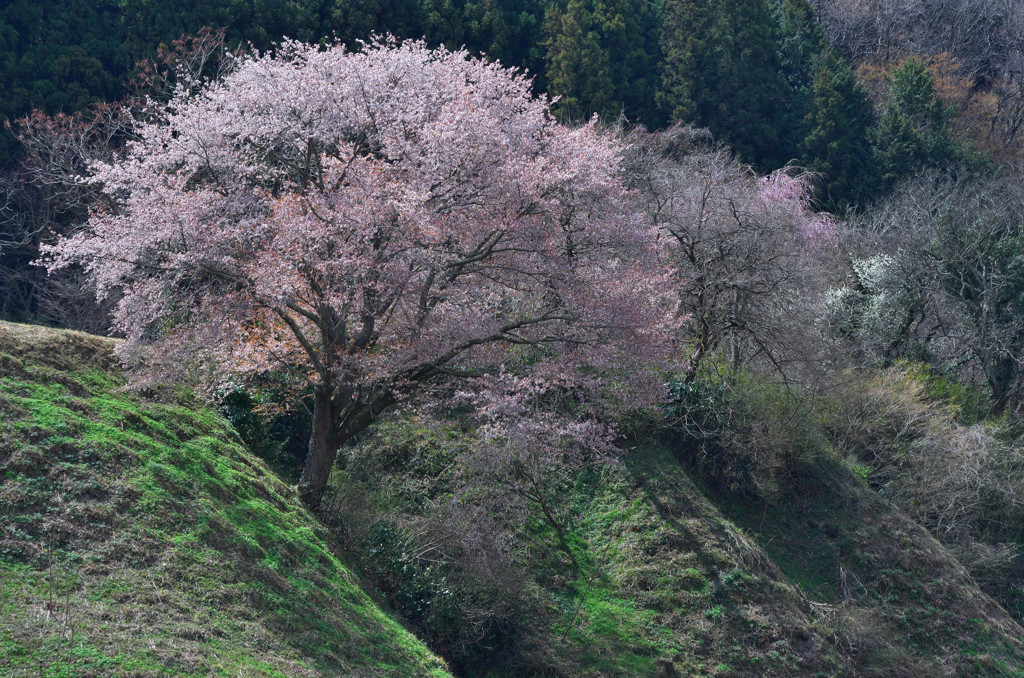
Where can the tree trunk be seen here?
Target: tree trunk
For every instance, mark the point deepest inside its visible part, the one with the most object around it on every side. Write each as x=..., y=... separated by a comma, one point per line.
x=693, y=364
x=330, y=432
x=323, y=449
x=1000, y=372
x=1000, y=399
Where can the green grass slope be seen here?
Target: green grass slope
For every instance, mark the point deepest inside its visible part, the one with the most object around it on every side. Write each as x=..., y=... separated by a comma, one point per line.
x=140, y=538
x=829, y=580
x=670, y=577
x=832, y=582
x=894, y=599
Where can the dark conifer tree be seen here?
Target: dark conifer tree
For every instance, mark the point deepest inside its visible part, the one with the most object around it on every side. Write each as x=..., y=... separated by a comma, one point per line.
x=578, y=70
x=509, y=31
x=601, y=58
x=444, y=23
x=732, y=73
x=629, y=33
x=682, y=31
x=57, y=56
x=353, y=20
x=914, y=131
x=838, y=141
x=801, y=43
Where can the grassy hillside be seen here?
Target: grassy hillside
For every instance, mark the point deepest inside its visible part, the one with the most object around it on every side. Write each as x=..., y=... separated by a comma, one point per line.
x=140, y=538
x=827, y=581
x=894, y=599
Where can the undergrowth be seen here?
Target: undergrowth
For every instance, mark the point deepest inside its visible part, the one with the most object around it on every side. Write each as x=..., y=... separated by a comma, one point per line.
x=676, y=556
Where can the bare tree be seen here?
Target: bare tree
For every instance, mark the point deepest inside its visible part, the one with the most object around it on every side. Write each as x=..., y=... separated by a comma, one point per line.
x=747, y=249
x=976, y=33
x=188, y=62
x=44, y=197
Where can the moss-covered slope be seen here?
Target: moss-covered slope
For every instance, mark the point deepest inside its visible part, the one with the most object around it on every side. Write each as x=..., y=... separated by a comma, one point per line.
x=140, y=538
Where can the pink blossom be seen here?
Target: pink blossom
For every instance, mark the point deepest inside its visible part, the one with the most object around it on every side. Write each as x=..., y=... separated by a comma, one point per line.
x=371, y=222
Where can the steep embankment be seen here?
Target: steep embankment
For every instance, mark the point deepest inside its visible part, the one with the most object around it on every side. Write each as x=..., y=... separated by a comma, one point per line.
x=140, y=538
x=827, y=580
x=831, y=580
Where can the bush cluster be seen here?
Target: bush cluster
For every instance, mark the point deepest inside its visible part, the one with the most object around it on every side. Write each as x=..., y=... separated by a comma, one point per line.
x=743, y=433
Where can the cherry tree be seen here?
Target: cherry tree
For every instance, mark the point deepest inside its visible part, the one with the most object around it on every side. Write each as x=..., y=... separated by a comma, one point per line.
x=367, y=226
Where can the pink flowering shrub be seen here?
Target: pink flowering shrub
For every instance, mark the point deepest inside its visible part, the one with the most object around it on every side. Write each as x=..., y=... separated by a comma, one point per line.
x=792, y=194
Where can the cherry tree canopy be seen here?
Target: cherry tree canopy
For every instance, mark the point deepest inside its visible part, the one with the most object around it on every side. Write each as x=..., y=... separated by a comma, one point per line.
x=366, y=224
